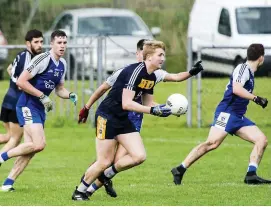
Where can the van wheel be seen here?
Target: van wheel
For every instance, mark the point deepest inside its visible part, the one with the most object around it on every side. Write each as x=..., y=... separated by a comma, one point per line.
x=1, y=74
x=238, y=61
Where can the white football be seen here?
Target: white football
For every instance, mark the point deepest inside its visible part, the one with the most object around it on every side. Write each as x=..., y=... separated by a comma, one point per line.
x=178, y=104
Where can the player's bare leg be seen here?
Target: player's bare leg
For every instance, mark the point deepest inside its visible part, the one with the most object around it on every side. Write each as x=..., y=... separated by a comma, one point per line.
x=37, y=144
x=254, y=135
x=132, y=142
x=5, y=137
x=105, y=149
x=120, y=152
x=19, y=165
x=136, y=155
x=215, y=138
x=16, y=133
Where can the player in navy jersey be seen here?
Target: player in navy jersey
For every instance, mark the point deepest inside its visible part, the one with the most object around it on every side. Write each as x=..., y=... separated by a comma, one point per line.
x=135, y=117
x=45, y=73
x=230, y=118
x=112, y=120
x=34, y=41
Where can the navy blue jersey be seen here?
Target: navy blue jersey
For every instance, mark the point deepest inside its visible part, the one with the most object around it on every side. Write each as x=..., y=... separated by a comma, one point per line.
x=21, y=61
x=160, y=75
x=47, y=74
x=232, y=103
x=133, y=77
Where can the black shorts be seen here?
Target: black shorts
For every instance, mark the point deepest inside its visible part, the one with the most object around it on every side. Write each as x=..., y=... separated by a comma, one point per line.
x=109, y=128
x=8, y=115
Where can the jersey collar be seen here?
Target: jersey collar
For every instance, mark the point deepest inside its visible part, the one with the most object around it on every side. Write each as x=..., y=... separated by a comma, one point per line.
x=249, y=69
x=56, y=62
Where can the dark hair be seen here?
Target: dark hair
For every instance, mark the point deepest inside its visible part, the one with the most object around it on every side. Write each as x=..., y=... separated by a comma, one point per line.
x=58, y=33
x=140, y=44
x=32, y=34
x=254, y=51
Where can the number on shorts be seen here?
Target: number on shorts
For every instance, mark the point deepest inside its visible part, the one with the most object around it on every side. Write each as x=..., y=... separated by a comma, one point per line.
x=222, y=120
x=101, y=127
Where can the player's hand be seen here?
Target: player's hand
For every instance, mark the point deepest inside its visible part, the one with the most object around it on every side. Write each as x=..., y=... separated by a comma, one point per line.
x=73, y=97
x=47, y=102
x=261, y=101
x=196, y=68
x=83, y=115
x=160, y=110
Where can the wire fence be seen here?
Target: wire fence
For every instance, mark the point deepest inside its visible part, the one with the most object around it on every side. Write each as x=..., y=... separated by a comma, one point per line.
x=209, y=91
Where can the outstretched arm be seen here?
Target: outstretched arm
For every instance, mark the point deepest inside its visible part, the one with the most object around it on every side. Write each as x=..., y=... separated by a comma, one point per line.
x=197, y=68
x=83, y=114
x=97, y=94
x=178, y=77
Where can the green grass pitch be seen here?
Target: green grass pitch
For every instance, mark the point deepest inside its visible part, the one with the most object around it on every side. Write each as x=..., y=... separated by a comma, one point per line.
x=217, y=179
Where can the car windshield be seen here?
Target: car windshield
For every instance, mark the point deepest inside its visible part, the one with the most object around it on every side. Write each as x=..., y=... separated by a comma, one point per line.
x=254, y=20
x=110, y=25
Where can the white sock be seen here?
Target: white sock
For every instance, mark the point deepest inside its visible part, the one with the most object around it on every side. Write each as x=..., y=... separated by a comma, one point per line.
x=183, y=165
x=82, y=187
x=109, y=172
x=1, y=159
x=92, y=188
x=253, y=164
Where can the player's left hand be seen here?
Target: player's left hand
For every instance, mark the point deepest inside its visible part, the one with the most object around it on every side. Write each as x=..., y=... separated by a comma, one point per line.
x=196, y=68
x=73, y=97
x=261, y=101
x=160, y=110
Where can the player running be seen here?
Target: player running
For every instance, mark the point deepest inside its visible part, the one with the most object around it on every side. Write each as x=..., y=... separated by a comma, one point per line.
x=135, y=117
x=230, y=119
x=34, y=42
x=45, y=73
x=113, y=123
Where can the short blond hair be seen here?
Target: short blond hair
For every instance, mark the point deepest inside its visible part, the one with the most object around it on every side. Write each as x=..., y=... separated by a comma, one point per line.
x=150, y=47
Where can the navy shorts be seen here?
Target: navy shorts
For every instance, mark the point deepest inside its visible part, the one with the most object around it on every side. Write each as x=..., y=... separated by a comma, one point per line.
x=8, y=115
x=28, y=115
x=108, y=127
x=137, y=119
x=230, y=123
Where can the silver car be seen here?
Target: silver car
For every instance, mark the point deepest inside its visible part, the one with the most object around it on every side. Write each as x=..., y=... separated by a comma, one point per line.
x=122, y=28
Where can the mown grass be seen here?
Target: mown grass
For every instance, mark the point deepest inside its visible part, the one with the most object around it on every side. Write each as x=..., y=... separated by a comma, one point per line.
x=217, y=179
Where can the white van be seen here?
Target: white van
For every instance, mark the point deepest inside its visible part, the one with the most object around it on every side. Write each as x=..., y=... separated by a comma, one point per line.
x=231, y=23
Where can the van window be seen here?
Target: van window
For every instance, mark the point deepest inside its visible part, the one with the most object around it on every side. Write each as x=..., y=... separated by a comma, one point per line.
x=253, y=20
x=224, y=26
x=65, y=22
x=110, y=25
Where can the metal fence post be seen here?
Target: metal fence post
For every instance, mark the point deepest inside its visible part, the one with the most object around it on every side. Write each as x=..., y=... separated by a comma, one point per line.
x=189, y=82
x=99, y=63
x=199, y=92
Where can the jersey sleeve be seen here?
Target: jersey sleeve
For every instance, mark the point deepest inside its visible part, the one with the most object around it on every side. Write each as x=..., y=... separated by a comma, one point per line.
x=112, y=78
x=14, y=69
x=62, y=80
x=160, y=75
x=133, y=77
x=38, y=64
x=241, y=74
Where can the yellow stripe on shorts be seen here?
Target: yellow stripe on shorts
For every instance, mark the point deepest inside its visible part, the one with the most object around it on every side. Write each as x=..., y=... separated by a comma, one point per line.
x=101, y=127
